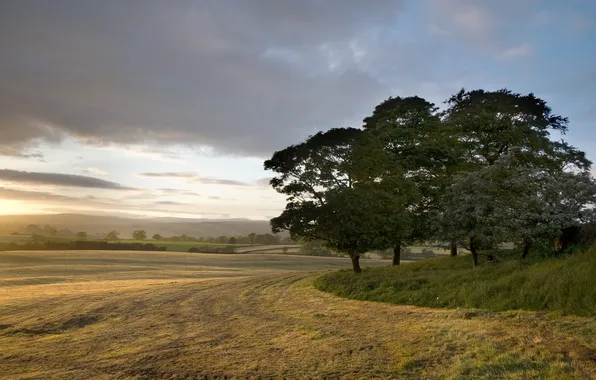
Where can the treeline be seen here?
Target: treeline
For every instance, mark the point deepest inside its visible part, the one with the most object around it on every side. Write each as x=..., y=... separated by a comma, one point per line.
x=49, y=231
x=80, y=245
x=482, y=172
x=252, y=239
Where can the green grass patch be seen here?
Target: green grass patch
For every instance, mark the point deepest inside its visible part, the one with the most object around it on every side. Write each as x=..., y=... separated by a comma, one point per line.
x=563, y=284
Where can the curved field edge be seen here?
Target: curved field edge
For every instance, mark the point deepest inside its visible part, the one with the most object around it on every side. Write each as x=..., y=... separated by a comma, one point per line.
x=271, y=325
x=564, y=285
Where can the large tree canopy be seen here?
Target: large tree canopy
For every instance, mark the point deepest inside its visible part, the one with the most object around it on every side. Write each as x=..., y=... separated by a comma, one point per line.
x=484, y=171
x=514, y=202
x=340, y=193
x=412, y=133
x=489, y=124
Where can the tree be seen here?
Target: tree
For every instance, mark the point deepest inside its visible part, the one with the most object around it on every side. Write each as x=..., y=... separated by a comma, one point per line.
x=33, y=229
x=49, y=230
x=139, y=235
x=157, y=237
x=252, y=238
x=411, y=132
x=510, y=201
x=336, y=197
x=112, y=236
x=232, y=240
x=489, y=124
x=550, y=203
x=81, y=236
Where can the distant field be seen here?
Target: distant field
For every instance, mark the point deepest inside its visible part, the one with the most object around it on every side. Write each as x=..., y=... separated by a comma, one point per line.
x=169, y=315
x=183, y=246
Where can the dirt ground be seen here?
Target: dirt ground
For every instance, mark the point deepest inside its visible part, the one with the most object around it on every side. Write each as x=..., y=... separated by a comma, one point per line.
x=141, y=315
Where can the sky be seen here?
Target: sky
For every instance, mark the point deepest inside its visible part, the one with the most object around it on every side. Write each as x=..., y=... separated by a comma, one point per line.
x=169, y=108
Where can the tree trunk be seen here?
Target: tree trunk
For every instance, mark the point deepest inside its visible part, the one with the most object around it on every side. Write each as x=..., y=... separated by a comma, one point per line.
x=474, y=251
x=525, y=252
x=396, y=254
x=355, y=263
x=453, y=252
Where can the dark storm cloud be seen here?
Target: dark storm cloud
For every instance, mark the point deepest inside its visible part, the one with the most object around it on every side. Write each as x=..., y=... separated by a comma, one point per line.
x=245, y=77
x=71, y=180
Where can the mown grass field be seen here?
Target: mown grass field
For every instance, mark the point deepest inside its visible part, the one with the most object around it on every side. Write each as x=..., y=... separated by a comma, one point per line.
x=154, y=315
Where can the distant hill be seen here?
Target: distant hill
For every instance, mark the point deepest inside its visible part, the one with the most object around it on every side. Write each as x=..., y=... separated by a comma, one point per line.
x=94, y=224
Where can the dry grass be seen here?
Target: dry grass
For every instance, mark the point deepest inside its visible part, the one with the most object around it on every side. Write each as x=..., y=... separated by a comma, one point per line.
x=139, y=315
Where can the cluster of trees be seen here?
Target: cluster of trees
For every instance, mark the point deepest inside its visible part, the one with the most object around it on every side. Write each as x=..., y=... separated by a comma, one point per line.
x=252, y=239
x=49, y=231
x=482, y=172
x=40, y=234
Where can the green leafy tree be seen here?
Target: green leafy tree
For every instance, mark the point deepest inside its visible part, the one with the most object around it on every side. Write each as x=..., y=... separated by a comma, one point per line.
x=139, y=235
x=252, y=238
x=510, y=202
x=410, y=130
x=81, y=236
x=489, y=124
x=50, y=231
x=548, y=203
x=33, y=229
x=232, y=240
x=157, y=237
x=334, y=196
x=112, y=236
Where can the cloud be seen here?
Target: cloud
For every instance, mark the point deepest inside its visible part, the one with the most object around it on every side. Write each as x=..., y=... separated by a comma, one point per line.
x=194, y=178
x=171, y=203
x=233, y=77
x=191, y=73
x=96, y=171
x=70, y=180
x=217, y=181
x=25, y=195
x=168, y=175
x=179, y=192
x=519, y=51
x=19, y=152
x=484, y=26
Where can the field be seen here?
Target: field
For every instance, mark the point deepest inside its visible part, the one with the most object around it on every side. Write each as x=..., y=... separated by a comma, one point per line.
x=147, y=315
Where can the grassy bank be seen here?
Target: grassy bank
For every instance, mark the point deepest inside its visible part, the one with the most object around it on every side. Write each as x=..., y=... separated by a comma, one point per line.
x=558, y=284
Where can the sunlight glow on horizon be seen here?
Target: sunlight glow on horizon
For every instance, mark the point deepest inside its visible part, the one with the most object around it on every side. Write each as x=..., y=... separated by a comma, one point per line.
x=11, y=207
